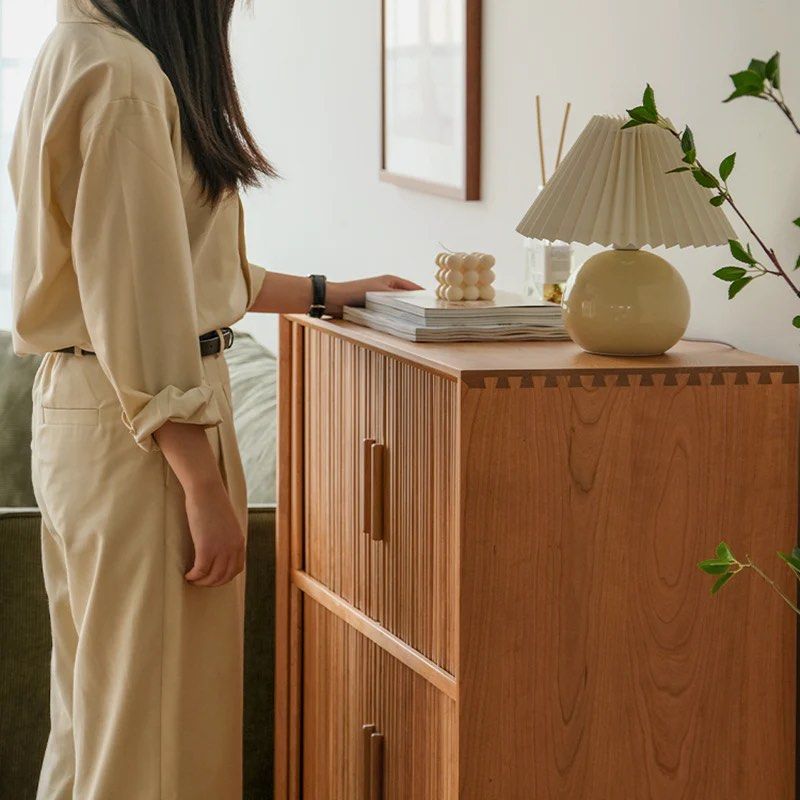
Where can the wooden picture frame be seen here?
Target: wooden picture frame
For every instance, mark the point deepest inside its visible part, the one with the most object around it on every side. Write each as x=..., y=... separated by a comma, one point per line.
x=457, y=173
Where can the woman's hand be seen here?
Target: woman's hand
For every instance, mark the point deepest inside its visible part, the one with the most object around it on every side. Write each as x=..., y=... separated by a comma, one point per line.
x=352, y=293
x=219, y=544
x=291, y=294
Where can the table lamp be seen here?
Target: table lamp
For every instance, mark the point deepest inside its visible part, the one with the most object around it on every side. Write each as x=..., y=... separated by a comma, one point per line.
x=613, y=189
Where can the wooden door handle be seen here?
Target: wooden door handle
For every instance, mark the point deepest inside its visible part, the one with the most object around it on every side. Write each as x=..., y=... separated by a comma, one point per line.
x=377, y=453
x=366, y=483
x=366, y=775
x=376, y=766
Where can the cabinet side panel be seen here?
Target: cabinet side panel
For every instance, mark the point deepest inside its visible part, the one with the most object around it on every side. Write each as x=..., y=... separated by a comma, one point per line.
x=593, y=662
x=282, y=574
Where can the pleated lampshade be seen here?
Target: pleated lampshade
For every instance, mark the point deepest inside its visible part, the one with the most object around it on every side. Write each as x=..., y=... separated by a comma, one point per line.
x=612, y=189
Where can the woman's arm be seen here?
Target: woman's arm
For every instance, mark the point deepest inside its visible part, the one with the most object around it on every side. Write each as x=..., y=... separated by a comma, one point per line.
x=219, y=543
x=291, y=294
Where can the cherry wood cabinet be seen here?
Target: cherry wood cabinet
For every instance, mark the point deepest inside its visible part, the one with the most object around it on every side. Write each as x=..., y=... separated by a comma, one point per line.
x=372, y=728
x=487, y=582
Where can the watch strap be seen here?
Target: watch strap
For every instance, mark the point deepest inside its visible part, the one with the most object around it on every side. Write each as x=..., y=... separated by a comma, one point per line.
x=318, y=291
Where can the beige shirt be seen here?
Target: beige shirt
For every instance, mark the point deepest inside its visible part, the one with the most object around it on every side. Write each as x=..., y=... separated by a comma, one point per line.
x=116, y=250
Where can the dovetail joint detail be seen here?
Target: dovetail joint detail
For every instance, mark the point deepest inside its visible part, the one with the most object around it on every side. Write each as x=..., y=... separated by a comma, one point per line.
x=576, y=379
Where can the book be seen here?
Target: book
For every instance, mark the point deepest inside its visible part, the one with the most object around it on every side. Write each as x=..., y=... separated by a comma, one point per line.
x=424, y=309
x=465, y=331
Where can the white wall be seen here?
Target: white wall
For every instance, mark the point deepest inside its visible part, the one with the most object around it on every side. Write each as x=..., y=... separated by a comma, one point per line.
x=310, y=77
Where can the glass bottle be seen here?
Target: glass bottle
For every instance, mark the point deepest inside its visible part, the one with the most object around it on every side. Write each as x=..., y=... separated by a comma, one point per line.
x=547, y=268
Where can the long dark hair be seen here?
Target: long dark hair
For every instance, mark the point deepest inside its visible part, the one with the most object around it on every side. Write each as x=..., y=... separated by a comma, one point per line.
x=190, y=39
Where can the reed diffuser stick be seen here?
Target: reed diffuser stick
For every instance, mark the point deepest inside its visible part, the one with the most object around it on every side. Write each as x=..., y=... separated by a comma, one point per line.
x=563, y=134
x=541, y=142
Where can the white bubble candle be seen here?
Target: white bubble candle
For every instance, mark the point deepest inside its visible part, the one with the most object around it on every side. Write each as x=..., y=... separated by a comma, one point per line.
x=465, y=277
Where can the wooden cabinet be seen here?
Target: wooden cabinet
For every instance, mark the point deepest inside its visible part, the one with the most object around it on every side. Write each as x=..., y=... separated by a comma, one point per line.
x=372, y=728
x=487, y=577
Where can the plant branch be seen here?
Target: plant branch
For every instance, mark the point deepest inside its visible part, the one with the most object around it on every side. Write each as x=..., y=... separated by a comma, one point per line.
x=781, y=103
x=772, y=583
x=768, y=251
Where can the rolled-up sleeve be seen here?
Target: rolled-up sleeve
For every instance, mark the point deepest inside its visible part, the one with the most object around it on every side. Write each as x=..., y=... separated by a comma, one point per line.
x=132, y=259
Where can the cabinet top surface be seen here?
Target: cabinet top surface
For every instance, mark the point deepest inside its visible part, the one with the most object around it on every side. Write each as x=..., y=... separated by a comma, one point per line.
x=462, y=359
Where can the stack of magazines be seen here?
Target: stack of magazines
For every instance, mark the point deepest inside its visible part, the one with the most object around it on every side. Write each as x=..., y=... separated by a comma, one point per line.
x=419, y=317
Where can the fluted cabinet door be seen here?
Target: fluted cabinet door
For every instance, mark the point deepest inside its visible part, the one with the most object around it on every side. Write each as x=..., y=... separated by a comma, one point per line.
x=343, y=409
x=418, y=552
x=373, y=729
x=384, y=541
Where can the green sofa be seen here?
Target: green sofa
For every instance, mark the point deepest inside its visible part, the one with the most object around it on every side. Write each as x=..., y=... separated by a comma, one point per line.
x=24, y=623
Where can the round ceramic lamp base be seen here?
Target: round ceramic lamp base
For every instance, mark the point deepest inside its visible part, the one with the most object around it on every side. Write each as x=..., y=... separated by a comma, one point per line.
x=626, y=303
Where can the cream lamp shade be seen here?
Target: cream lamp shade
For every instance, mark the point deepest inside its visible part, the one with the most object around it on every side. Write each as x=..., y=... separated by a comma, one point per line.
x=613, y=189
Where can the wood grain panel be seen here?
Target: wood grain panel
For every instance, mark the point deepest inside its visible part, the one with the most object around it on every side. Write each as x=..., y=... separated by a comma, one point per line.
x=593, y=663
x=404, y=575
x=349, y=683
x=283, y=648
x=470, y=361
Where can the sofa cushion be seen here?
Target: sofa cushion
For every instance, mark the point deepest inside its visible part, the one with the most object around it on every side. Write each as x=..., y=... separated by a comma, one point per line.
x=16, y=380
x=25, y=654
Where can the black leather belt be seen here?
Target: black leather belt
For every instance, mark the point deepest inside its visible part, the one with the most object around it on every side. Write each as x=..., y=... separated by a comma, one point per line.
x=210, y=344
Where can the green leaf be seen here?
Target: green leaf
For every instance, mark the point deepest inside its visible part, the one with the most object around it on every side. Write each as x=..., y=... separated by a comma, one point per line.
x=738, y=93
x=714, y=566
x=796, y=322
x=687, y=141
x=773, y=70
x=678, y=169
x=705, y=178
x=737, y=287
x=739, y=253
x=720, y=582
x=632, y=123
x=690, y=157
x=718, y=200
x=649, y=100
x=792, y=560
x=748, y=81
x=743, y=93
x=759, y=67
x=730, y=273
x=726, y=166
x=797, y=222
x=642, y=114
x=797, y=263
x=724, y=552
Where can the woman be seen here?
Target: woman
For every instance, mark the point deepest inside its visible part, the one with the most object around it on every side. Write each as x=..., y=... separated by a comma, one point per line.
x=128, y=157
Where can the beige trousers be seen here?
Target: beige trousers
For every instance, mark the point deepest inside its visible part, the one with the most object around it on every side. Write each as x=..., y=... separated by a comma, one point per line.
x=146, y=671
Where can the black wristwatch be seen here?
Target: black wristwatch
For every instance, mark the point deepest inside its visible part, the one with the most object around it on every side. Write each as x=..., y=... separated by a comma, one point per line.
x=317, y=296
